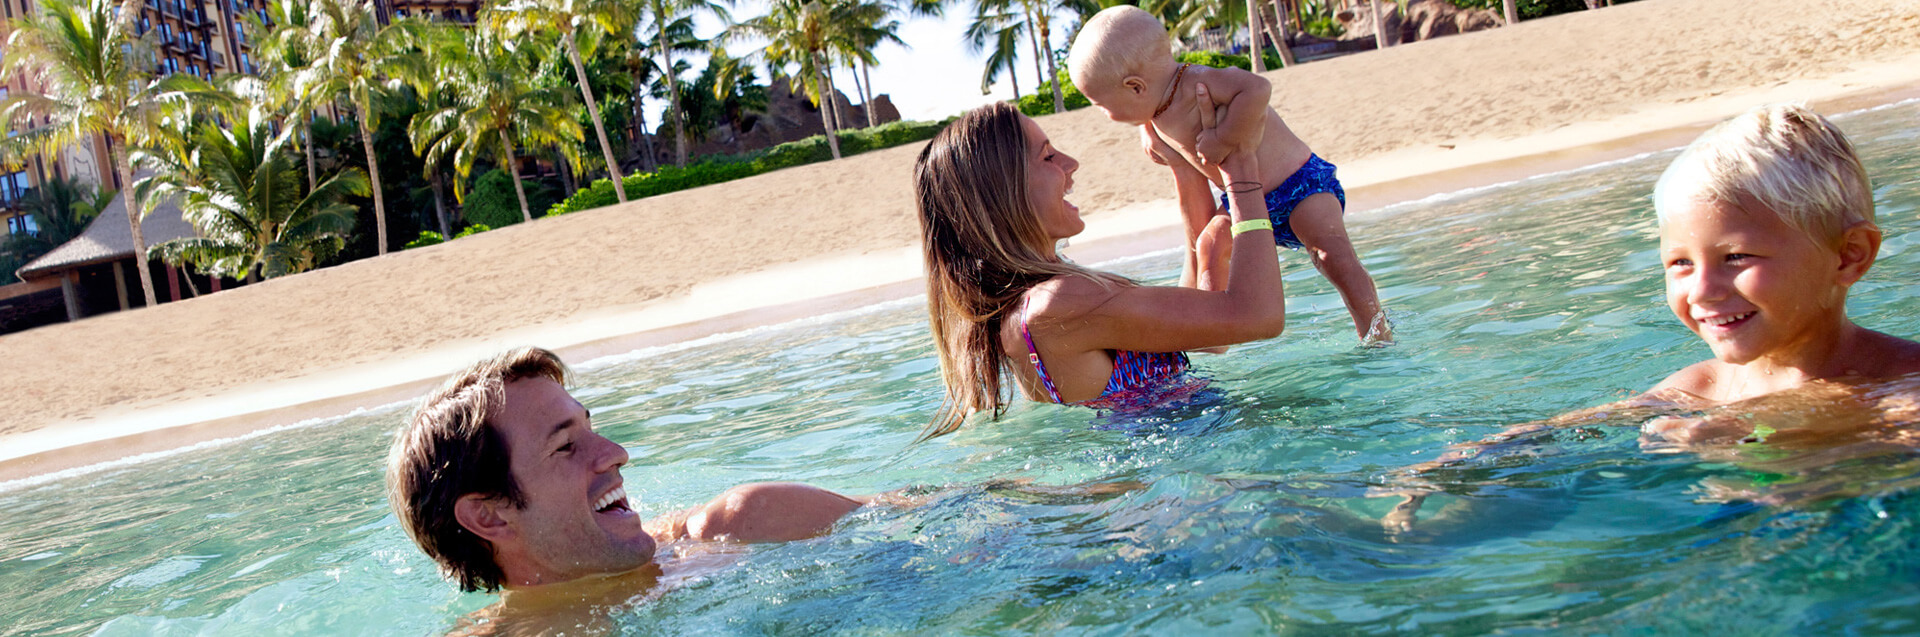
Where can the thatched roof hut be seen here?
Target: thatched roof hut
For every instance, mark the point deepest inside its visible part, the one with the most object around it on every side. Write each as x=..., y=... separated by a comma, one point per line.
x=109, y=238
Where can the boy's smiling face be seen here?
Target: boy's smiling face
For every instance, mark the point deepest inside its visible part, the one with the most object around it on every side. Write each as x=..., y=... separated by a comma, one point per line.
x=1750, y=285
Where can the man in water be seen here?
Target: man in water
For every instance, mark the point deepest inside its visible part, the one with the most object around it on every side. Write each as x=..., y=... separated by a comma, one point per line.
x=501, y=479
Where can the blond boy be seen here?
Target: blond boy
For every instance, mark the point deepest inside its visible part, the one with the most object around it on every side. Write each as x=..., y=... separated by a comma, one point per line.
x=1765, y=222
x=1123, y=62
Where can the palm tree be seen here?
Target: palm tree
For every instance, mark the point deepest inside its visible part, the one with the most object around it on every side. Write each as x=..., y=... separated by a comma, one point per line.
x=802, y=33
x=1004, y=31
x=61, y=209
x=96, y=78
x=1000, y=23
x=287, y=46
x=241, y=190
x=569, y=20
x=494, y=101
x=359, y=58
x=670, y=31
x=871, y=28
x=737, y=89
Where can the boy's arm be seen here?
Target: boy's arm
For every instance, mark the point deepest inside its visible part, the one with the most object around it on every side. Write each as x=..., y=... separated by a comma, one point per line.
x=1243, y=119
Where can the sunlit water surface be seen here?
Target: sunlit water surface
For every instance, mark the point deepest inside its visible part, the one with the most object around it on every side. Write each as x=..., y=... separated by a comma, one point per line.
x=1513, y=304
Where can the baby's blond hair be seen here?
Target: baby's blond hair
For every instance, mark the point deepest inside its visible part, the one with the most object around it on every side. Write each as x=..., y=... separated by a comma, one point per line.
x=1117, y=42
x=1783, y=157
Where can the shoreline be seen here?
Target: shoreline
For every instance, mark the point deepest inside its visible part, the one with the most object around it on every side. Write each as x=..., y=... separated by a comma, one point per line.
x=832, y=283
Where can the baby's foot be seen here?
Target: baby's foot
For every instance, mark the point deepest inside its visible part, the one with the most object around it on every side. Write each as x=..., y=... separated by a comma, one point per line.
x=1379, y=333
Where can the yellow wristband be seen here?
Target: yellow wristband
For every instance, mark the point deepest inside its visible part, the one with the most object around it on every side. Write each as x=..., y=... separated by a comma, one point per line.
x=1251, y=225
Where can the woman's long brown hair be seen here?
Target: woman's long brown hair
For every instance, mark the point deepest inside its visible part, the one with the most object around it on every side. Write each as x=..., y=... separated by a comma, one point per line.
x=985, y=248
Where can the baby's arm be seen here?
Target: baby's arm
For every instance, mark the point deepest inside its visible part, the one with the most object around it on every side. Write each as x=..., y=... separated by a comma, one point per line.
x=1244, y=119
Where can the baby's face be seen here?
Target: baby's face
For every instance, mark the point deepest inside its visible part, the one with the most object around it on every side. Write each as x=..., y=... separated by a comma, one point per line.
x=1749, y=284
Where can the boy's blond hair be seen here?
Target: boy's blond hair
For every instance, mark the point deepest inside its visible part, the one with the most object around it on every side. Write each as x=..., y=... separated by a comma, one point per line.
x=1118, y=42
x=1782, y=157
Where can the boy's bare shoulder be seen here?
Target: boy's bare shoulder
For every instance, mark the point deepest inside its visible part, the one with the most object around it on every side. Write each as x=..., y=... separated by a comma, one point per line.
x=1890, y=356
x=1696, y=380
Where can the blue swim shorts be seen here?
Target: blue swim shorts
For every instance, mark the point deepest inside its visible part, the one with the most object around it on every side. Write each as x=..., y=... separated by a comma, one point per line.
x=1313, y=177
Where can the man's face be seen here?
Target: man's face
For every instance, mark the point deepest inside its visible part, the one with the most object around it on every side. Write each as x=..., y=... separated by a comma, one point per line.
x=576, y=520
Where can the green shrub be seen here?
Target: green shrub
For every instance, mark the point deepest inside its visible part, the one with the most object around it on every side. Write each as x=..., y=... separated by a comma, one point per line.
x=1528, y=9
x=1040, y=101
x=472, y=230
x=715, y=170
x=493, y=202
x=426, y=238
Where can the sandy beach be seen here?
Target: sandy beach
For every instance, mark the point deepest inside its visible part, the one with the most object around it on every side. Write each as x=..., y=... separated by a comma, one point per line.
x=841, y=234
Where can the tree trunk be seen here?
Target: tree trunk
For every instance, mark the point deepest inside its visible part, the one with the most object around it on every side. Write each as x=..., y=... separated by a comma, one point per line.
x=1279, y=27
x=566, y=172
x=133, y=218
x=1379, y=26
x=1512, y=12
x=1033, y=45
x=673, y=95
x=593, y=110
x=868, y=100
x=440, y=205
x=646, y=138
x=820, y=76
x=313, y=179
x=831, y=95
x=373, y=173
x=1053, y=75
x=506, y=159
x=1254, y=49
x=866, y=103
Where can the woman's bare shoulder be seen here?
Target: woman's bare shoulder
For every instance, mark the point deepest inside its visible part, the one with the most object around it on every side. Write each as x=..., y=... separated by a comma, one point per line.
x=1068, y=297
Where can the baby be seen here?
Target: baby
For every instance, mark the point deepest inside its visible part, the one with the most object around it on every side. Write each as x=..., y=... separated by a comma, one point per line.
x=1124, y=64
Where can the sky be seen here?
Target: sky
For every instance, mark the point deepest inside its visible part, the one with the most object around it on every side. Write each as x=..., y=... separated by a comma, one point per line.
x=932, y=78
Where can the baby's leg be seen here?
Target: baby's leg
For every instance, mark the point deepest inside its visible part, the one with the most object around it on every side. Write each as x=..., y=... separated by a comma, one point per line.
x=1318, y=222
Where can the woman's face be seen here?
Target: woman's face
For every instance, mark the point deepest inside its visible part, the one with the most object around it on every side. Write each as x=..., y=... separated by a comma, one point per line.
x=1049, y=180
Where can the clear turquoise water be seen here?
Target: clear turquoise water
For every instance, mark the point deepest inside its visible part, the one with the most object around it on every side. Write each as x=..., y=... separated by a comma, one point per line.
x=1513, y=303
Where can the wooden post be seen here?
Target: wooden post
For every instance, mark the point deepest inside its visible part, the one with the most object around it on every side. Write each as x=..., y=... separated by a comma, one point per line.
x=120, y=285
x=1253, y=37
x=1512, y=12
x=173, y=282
x=67, y=292
x=216, y=282
x=1380, y=26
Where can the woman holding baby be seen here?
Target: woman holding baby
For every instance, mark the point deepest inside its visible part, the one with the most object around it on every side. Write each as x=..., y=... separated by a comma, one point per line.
x=991, y=192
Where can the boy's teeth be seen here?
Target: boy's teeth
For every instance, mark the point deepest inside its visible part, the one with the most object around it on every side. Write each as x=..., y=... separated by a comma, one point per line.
x=1723, y=320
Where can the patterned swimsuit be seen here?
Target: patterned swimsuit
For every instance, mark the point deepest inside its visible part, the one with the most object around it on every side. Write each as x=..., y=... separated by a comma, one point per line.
x=1139, y=378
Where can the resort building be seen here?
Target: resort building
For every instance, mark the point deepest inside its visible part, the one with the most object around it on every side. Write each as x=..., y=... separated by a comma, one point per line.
x=461, y=11
x=197, y=37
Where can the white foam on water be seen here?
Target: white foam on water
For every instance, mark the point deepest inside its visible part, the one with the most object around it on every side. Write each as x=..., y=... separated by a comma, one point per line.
x=37, y=480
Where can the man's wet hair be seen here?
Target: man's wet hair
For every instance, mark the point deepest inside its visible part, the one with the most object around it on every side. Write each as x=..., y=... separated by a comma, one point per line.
x=451, y=449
